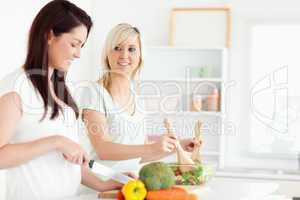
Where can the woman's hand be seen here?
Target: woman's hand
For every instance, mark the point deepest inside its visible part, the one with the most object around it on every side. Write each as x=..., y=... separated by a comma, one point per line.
x=116, y=185
x=130, y=174
x=190, y=144
x=166, y=143
x=72, y=151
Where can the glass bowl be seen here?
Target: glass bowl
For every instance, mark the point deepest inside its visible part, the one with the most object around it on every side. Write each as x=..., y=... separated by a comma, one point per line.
x=198, y=175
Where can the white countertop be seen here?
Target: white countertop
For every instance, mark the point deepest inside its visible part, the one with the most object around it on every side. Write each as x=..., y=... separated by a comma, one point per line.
x=93, y=196
x=216, y=190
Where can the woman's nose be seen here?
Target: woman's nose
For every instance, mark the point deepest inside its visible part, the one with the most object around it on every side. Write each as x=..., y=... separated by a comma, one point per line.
x=124, y=53
x=77, y=53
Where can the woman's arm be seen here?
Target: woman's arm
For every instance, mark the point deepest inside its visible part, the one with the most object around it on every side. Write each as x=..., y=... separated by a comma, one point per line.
x=16, y=154
x=92, y=181
x=96, y=125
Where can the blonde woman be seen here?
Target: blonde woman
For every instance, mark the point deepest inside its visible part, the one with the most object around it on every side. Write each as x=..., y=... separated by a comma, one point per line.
x=112, y=110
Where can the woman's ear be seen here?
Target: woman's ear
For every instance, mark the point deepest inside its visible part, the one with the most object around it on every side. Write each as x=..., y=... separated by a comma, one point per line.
x=50, y=37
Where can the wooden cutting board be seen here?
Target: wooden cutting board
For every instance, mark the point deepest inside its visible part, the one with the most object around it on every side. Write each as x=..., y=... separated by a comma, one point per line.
x=112, y=194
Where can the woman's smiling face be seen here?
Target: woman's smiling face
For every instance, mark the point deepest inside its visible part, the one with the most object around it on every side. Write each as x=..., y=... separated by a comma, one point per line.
x=63, y=49
x=125, y=57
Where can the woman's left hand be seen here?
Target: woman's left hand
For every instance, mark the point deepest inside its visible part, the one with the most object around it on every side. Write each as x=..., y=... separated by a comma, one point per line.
x=117, y=185
x=190, y=144
x=130, y=174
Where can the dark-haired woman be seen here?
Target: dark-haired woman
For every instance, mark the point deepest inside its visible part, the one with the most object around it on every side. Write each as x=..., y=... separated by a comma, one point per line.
x=38, y=140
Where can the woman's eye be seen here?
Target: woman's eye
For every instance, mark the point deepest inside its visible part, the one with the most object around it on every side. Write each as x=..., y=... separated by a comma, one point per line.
x=117, y=49
x=73, y=45
x=132, y=49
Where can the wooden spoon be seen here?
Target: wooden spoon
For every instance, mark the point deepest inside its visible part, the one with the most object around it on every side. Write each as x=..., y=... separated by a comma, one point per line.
x=184, y=161
x=196, y=156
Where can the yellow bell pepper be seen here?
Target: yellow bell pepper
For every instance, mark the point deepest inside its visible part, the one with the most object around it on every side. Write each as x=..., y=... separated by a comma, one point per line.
x=134, y=190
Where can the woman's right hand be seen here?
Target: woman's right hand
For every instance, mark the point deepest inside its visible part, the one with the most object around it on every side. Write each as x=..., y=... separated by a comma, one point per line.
x=166, y=143
x=72, y=151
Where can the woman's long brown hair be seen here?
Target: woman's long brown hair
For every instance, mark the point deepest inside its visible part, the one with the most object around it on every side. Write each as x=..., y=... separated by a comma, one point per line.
x=59, y=16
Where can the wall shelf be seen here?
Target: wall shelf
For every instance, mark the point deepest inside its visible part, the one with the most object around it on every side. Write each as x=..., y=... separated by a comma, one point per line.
x=185, y=80
x=186, y=113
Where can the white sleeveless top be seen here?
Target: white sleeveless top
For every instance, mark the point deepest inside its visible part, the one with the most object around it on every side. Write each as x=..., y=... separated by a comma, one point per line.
x=122, y=127
x=49, y=176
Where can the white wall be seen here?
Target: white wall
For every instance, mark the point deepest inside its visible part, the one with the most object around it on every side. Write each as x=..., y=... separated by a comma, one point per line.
x=245, y=12
x=16, y=18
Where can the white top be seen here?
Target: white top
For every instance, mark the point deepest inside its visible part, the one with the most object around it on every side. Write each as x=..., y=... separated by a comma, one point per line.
x=49, y=176
x=122, y=127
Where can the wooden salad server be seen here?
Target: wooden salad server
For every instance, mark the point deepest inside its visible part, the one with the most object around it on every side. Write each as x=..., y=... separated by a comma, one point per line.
x=183, y=159
x=196, y=156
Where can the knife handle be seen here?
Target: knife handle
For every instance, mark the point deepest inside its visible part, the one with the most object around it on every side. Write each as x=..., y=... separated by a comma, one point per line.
x=91, y=163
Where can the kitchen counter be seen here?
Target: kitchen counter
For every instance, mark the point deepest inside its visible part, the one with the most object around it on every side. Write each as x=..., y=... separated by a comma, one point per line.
x=262, y=174
x=93, y=196
x=230, y=183
x=84, y=197
x=233, y=190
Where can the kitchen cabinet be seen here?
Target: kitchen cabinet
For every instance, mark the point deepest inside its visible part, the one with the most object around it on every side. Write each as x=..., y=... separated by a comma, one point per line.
x=186, y=85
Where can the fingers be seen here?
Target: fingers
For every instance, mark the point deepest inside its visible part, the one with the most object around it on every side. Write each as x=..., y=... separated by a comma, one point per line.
x=170, y=147
x=117, y=185
x=132, y=175
x=169, y=143
x=82, y=159
x=167, y=147
x=69, y=158
x=65, y=156
x=172, y=135
x=75, y=158
x=79, y=158
x=73, y=152
x=86, y=160
x=192, y=144
x=189, y=149
x=197, y=143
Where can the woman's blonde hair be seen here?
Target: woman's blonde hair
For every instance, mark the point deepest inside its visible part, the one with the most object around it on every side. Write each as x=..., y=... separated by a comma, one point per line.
x=119, y=34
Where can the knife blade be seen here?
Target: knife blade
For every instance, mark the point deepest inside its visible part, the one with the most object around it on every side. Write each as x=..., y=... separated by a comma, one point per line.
x=108, y=172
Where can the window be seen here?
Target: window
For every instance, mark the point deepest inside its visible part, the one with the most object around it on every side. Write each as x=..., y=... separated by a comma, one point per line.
x=275, y=89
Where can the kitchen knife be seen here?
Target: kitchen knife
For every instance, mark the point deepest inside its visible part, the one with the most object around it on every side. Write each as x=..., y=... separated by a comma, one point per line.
x=108, y=172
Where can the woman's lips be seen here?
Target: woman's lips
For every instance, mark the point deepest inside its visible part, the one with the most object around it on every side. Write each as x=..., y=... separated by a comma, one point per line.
x=123, y=64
